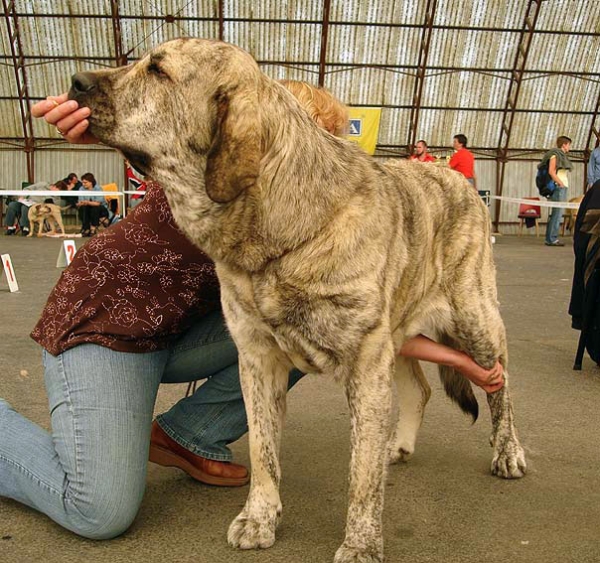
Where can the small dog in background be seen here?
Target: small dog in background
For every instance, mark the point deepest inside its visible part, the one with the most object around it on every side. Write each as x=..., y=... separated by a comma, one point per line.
x=40, y=212
x=571, y=215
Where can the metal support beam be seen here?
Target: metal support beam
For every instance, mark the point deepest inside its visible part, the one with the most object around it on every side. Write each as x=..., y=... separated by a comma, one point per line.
x=344, y=23
x=221, y=21
x=594, y=127
x=120, y=60
x=16, y=50
x=426, y=34
x=120, y=56
x=324, y=38
x=510, y=107
x=595, y=132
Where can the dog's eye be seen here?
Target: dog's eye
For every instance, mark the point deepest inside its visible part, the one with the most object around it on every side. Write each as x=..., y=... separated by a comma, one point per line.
x=153, y=68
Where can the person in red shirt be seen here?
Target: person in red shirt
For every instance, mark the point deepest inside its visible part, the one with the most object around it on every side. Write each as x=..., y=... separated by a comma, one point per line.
x=463, y=160
x=421, y=154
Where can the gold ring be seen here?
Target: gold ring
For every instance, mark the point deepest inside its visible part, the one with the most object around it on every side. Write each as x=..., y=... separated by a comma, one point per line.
x=60, y=132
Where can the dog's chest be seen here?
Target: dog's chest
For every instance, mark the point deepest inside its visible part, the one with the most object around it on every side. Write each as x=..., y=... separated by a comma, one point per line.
x=317, y=329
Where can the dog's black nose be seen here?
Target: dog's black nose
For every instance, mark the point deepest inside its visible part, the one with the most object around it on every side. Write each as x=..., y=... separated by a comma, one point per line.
x=83, y=82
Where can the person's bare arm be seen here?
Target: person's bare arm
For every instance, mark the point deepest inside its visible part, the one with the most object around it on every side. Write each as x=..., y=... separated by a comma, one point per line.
x=422, y=348
x=552, y=171
x=66, y=115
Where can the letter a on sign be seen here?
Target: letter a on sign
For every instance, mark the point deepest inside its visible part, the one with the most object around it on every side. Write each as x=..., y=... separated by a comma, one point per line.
x=66, y=254
x=10, y=273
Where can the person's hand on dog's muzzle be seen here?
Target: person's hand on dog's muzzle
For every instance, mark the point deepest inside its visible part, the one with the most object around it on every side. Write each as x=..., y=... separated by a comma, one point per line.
x=69, y=119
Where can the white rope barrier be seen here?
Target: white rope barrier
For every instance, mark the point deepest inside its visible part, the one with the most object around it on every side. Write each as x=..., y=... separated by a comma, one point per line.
x=63, y=193
x=72, y=193
x=538, y=202
x=77, y=193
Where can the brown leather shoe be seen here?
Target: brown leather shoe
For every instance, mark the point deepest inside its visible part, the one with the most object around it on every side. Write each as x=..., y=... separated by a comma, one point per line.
x=167, y=452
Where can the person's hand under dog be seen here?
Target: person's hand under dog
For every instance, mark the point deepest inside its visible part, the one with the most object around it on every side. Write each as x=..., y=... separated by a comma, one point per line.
x=422, y=348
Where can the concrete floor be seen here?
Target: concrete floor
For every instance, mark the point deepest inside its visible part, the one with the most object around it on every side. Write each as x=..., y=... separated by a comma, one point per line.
x=443, y=506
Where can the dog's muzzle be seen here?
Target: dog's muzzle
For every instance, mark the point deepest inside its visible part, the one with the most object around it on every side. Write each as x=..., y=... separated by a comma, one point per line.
x=82, y=83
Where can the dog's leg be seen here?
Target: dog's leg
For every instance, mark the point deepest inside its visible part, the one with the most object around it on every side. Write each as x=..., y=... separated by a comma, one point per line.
x=509, y=457
x=479, y=330
x=369, y=393
x=264, y=384
x=413, y=394
x=59, y=222
x=51, y=225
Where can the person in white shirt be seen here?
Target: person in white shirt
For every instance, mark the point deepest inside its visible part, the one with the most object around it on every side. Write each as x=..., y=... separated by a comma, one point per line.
x=17, y=211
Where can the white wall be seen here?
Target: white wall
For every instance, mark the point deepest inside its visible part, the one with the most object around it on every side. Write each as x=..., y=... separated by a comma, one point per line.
x=54, y=164
x=14, y=169
x=105, y=165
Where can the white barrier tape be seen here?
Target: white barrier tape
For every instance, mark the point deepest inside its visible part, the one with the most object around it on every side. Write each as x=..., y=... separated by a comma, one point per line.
x=538, y=202
x=58, y=193
x=61, y=193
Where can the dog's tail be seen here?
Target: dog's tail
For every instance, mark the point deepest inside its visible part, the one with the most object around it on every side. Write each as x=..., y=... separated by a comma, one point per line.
x=458, y=387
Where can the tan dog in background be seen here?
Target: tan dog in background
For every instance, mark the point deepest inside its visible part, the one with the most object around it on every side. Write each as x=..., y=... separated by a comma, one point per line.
x=571, y=215
x=40, y=212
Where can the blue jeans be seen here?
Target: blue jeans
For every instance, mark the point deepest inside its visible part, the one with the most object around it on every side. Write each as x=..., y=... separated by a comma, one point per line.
x=89, y=473
x=14, y=210
x=559, y=194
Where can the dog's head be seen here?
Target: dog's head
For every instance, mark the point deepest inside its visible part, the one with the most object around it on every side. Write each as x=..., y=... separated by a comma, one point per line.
x=187, y=103
x=40, y=210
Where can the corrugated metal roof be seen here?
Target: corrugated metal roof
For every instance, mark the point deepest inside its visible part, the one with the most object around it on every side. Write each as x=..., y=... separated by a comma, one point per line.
x=373, y=52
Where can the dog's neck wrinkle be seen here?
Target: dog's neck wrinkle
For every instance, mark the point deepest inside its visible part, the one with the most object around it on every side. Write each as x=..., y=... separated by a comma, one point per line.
x=230, y=233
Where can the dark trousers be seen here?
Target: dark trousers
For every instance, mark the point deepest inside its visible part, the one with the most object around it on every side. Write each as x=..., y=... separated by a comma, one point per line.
x=89, y=215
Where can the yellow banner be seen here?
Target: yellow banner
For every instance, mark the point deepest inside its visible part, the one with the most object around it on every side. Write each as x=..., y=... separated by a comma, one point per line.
x=364, y=127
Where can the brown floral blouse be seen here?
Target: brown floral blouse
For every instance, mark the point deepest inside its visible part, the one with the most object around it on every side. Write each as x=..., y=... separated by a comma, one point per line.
x=132, y=288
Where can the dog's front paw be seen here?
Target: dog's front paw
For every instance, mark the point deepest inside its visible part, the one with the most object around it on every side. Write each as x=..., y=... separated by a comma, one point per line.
x=248, y=533
x=509, y=459
x=347, y=554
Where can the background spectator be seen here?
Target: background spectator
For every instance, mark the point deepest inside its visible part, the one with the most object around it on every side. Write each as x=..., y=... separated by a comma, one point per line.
x=73, y=184
x=16, y=211
x=421, y=154
x=559, y=166
x=593, y=171
x=463, y=160
x=91, y=207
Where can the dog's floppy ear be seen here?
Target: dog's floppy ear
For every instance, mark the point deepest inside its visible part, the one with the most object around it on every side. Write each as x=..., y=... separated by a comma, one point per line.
x=234, y=157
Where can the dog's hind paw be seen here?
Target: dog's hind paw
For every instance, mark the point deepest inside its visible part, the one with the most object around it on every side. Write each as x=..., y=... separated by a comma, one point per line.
x=246, y=533
x=399, y=455
x=509, y=461
x=354, y=555
x=401, y=448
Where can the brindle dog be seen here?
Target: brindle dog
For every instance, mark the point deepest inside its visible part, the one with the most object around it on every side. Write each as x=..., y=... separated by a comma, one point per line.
x=327, y=259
